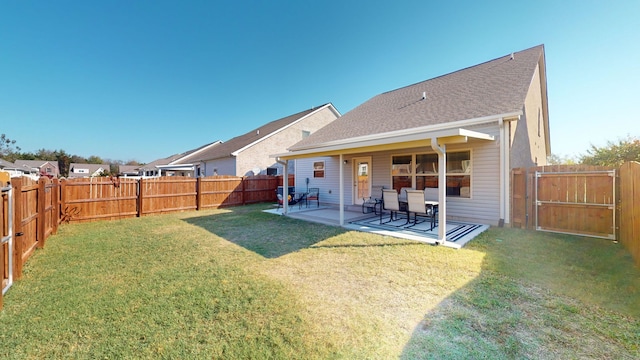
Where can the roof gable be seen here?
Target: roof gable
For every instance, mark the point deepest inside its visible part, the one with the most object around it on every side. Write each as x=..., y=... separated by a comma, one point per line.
x=492, y=88
x=229, y=148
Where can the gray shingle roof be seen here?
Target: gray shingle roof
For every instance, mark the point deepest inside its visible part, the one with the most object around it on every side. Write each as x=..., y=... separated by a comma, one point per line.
x=225, y=149
x=495, y=87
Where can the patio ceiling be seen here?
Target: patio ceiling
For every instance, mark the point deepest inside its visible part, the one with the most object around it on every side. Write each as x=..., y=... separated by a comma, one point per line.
x=389, y=141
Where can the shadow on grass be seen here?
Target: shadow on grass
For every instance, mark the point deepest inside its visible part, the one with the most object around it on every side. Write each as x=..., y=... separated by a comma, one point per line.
x=268, y=235
x=538, y=295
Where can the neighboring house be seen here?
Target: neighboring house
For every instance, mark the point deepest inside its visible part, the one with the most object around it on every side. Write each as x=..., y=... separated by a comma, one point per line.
x=128, y=170
x=248, y=154
x=170, y=166
x=41, y=167
x=12, y=169
x=459, y=133
x=77, y=170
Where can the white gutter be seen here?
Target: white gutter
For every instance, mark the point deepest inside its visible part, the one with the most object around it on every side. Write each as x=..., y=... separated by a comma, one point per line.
x=386, y=139
x=413, y=131
x=505, y=170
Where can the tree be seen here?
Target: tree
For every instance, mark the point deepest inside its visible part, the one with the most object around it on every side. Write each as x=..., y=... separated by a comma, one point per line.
x=555, y=159
x=94, y=160
x=613, y=154
x=7, y=146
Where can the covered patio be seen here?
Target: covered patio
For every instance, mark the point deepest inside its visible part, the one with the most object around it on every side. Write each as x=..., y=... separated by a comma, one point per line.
x=425, y=138
x=458, y=233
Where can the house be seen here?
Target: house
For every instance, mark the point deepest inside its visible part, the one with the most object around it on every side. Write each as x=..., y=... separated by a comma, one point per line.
x=171, y=166
x=128, y=170
x=77, y=170
x=11, y=169
x=41, y=167
x=248, y=154
x=460, y=133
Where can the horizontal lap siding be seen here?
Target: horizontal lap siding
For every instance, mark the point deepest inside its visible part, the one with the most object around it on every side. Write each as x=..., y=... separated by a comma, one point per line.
x=484, y=204
x=329, y=185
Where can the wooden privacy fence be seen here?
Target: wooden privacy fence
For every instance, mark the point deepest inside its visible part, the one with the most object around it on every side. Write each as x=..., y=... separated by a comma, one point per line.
x=40, y=206
x=583, y=200
x=568, y=199
x=629, y=219
x=109, y=198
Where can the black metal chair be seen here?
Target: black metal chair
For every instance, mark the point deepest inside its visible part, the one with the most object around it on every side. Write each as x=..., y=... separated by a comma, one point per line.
x=313, y=194
x=372, y=204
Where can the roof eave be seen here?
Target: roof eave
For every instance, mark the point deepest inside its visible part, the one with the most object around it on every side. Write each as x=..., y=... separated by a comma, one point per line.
x=391, y=142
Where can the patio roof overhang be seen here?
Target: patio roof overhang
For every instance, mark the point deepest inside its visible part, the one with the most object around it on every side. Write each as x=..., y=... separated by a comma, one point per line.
x=388, y=141
x=180, y=167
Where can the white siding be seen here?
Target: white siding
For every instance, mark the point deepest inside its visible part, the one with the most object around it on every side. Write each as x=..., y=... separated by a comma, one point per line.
x=223, y=167
x=330, y=184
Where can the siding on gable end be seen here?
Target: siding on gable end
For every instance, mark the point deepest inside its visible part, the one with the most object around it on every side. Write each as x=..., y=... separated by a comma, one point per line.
x=529, y=144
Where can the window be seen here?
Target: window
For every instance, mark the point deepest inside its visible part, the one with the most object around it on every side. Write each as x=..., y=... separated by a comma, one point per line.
x=401, y=171
x=425, y=173
x=318, y=169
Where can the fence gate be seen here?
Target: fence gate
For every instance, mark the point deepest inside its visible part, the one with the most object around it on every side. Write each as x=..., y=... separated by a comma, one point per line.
x=578, y=203
x=7, y=238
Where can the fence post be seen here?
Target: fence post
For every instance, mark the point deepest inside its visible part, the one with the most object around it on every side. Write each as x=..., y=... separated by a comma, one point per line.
x=140, y=197
x=55, y=203
x=16, y=183
x=242, y=181
x=198, y=193
x=41, y=205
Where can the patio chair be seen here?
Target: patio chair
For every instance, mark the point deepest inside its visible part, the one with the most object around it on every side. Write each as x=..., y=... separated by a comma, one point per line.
x=390, y=202
x=417, y=206
x=402, y=197
x=313, y=195
x=372, y=204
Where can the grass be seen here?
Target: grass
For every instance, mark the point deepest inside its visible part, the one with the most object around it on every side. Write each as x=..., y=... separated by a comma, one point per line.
x=241, y=284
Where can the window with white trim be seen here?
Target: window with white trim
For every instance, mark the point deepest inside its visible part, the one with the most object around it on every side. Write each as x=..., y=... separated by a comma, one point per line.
x=425, y=172
x=318, y=169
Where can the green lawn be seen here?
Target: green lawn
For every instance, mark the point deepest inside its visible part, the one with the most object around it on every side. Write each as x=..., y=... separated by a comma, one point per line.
x=242, y=284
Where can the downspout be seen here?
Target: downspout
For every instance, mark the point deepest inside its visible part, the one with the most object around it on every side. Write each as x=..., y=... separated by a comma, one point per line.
x=505, y=166
x=341, y=162
x=502, y=182
x=441, y=150
x=285, y=186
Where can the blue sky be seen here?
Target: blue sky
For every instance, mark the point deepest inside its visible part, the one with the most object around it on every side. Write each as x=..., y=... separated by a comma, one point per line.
x=141, y=80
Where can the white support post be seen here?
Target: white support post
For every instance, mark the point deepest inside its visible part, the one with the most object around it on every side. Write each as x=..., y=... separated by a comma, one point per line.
x=442, y=189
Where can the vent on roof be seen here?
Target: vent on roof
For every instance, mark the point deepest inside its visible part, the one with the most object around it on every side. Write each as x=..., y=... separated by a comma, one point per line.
x=424, y=95
x=513, y=56
x=257, y=132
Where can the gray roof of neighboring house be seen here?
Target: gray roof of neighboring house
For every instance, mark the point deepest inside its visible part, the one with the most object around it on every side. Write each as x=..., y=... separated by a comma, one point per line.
x=6, y=164
x=492, y=88
x=129, y=169
x=35, y=163
x=171, y=159
x=226, y=149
